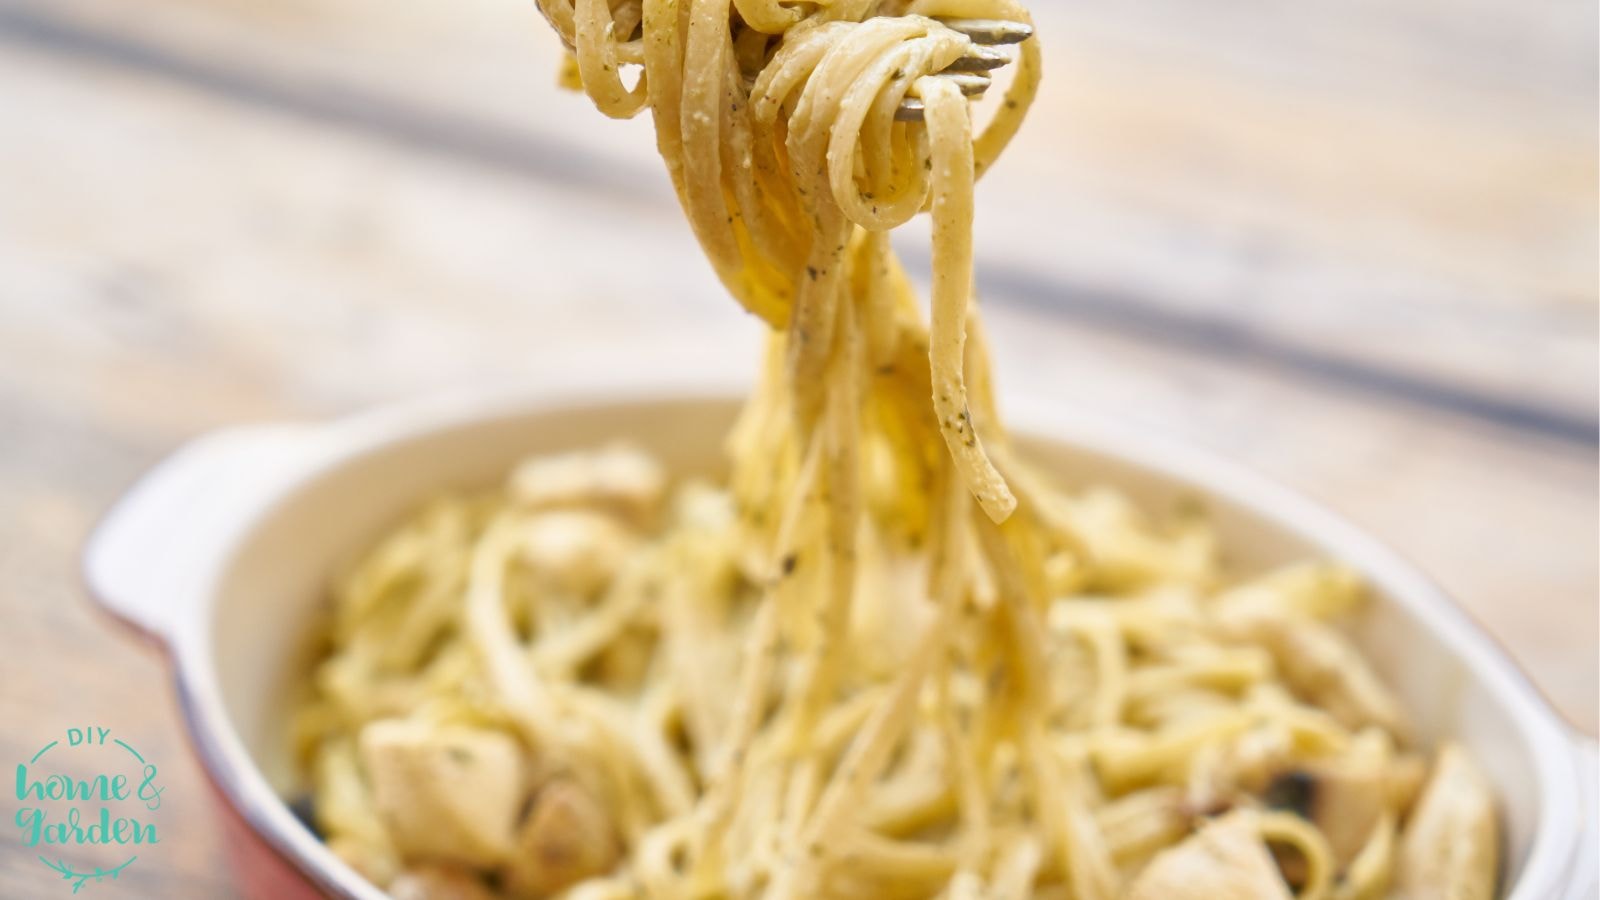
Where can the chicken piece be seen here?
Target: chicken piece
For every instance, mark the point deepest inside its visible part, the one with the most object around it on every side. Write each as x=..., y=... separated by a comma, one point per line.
x=438, y=883
x=1344, y=796
x=1449, y=844
x=566, y=838
x=574, y=552
x=620, y=479
x=1344, y=803
x=1324, y=669
x=1226, y=858
x=445, y=793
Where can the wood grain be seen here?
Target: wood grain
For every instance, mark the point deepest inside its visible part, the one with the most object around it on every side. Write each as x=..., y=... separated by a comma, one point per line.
x=1352, y=249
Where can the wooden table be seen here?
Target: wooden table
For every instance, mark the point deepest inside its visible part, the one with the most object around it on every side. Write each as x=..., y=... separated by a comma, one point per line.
x=1353, y=247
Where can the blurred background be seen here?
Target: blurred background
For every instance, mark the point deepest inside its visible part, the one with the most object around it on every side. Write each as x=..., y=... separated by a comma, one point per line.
x=1351, y=245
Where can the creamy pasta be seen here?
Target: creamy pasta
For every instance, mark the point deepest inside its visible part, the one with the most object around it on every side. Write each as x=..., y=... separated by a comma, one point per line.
x=885, y=657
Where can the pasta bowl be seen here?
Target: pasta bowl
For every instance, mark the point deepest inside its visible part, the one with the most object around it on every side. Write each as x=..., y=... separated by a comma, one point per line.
x=223, y=552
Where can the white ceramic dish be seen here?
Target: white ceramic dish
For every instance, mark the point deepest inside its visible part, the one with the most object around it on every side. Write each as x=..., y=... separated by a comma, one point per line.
x=223, y=551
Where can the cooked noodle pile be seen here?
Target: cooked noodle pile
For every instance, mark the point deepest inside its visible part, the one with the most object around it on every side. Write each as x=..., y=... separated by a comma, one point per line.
x=886, y=658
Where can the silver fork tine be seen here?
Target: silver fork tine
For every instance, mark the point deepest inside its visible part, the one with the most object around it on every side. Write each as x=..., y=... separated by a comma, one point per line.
x=909, y=110
x=990, y=31
x=979, y=58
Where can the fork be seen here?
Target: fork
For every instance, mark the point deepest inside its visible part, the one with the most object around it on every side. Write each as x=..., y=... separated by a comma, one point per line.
x=970, y=71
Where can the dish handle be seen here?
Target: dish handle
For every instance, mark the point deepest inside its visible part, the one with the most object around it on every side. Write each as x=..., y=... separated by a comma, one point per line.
x=1584, y=883
x=144, y=560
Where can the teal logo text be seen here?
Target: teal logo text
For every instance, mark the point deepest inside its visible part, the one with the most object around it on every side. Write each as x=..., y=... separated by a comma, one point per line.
x=87, y=796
